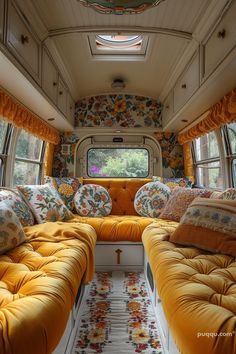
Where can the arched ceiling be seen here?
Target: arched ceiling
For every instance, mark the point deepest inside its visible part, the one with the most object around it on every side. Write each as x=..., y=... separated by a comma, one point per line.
x=170, y=27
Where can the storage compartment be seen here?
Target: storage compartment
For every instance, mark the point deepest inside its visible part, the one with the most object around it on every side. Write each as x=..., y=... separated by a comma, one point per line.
x=187, y=83
x=49, y=77
x=167, y=111
x=118, y=255
x=62, y=96
x=24, y=45
x=1, y=19
x=220, y=42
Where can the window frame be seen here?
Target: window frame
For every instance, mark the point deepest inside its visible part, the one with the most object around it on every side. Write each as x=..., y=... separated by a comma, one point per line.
x=230, y=156
x=39, y=162
x=121, y=148
x=221, y=159
x=4, y=155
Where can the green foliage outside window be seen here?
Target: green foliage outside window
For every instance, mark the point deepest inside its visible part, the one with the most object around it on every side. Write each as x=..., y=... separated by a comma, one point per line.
x=118, y=162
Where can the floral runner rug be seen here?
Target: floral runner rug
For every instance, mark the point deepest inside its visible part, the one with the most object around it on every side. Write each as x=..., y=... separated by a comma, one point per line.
x=117, y=317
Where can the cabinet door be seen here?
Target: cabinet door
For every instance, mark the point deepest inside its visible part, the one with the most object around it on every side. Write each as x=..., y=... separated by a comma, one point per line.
x=62, y=97
x=23, y=43
x=70, y=109
x=1, y=19
x=49, y=77
x=167, y=110
x=118, y=255
x=220, y=42
x=187, y=84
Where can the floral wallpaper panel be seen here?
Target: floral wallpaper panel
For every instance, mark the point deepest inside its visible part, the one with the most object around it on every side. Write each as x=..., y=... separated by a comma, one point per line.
x=119, y=111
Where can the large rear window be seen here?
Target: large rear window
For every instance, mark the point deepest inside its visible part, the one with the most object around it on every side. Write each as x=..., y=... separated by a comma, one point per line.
x=118, y=162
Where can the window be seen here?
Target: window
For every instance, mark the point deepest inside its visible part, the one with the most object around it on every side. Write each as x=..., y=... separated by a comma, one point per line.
x=118, y=162
x=28, y=159
x=207, y=165
x=230, y=136
x=5, y=134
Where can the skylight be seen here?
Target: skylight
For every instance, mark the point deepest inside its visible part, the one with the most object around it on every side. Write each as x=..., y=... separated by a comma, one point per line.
x=118, y=46
x=117, y=42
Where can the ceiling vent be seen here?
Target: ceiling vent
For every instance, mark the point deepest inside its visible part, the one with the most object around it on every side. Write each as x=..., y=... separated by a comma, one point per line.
x=118, y=84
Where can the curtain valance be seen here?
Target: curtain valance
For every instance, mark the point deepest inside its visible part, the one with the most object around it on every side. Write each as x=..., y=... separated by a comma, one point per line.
x=18, y=115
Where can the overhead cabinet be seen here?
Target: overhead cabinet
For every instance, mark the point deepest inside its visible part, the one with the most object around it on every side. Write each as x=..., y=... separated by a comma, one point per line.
x=22, y=42
x=220, y=42
x=1, y=19
x=50, y=77
x=187, y=83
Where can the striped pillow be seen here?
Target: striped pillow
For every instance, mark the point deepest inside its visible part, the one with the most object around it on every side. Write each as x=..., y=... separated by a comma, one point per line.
x=209, y=224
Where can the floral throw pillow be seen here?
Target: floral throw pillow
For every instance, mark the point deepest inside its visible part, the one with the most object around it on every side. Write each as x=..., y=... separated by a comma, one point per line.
x=14, y=201
x=178, y=182
x=45, y=203
x=229, y=194
x=92, y=200
x=11, y=231
x=66, y=188
x=151, y=198
x=209, y=224
x=179, y=201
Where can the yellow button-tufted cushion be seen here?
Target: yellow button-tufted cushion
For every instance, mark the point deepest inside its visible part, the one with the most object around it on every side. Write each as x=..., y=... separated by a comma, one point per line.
x=122, y=192
x=38, y=284
x=117, y=227
x=198, y=293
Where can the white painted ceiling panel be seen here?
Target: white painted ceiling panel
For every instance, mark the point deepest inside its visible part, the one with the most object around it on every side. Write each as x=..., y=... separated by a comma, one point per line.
x=147, y=77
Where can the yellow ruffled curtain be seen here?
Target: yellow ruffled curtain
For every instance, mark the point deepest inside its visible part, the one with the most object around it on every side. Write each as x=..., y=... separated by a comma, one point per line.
x=48, y=159
x=220, y=114
x=19, y=116
x=188, y=161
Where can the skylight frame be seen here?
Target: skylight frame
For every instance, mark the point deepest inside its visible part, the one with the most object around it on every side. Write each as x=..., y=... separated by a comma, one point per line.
x=118, y=53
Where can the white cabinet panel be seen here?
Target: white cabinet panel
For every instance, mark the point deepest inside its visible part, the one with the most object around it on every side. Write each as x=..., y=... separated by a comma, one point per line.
x=187, y=83
x=49, y=77
x=118, y=255
x=1, y=19
x=23, y=43
x=220, y=42
x=62, y=97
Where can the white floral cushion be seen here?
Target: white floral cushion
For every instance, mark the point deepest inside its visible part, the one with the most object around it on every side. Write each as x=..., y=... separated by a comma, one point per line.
x=11, y=231
x=92, y=200
x=45, y=203
x=14, y=201
x=151, y=198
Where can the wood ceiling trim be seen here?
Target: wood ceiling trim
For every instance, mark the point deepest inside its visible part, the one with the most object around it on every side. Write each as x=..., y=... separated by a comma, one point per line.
x=107, y=29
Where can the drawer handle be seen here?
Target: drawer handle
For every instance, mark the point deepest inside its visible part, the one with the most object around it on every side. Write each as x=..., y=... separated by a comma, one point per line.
x=221, y=34
x=54, y=83
x=60, y=92
x=167, y=107
x=184, y=86
x=71, y=107
x=24, y=39
x=118, y=252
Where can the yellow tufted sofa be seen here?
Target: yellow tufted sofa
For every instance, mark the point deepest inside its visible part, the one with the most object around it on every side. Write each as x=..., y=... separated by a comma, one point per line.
x=123, y=224
x=39, y=281
x=197, y=290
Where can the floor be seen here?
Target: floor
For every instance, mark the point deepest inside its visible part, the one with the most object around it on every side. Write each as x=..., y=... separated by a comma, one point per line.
x=117, y=317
